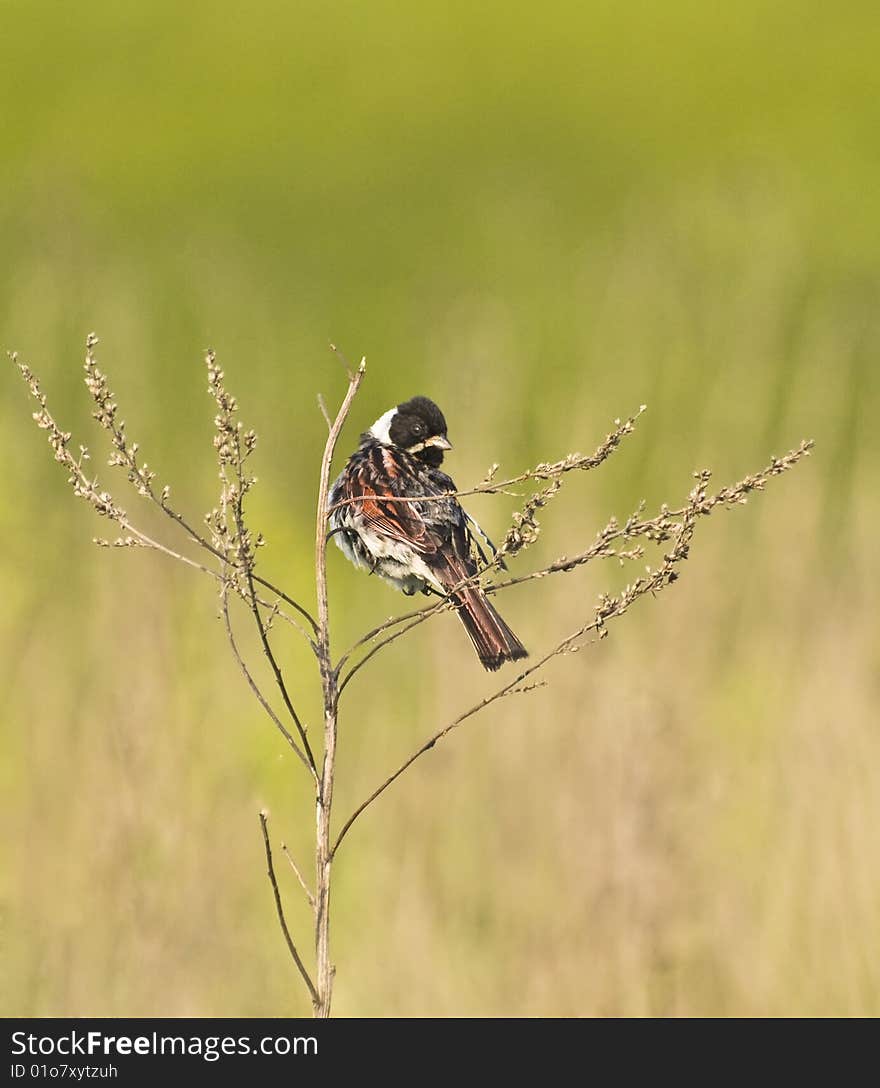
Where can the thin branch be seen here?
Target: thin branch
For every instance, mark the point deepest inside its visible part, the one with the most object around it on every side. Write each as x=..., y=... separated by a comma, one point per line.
x=140, y=539
x=322, y=405
x=252, y=684
x=418, y=617
x=609, y=608
x=299, y=876
x=573, y=462
x=102, y=502
x=231, y=536
x=288, y=600
x=543, y=471
x=338, y=353
x=507, y=689
x=199, y=539
x=232, y=544
x=522, y=533
x=392, y=621
x=323, y=852
x=139, y=474
x=657, y=529
x=279, y=678
x=275, y=610
x=323, y=513
x=301, y=967
x=663, y=528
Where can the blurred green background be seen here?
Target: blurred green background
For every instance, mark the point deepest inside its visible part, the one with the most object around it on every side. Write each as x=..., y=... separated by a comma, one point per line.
x=542, y=220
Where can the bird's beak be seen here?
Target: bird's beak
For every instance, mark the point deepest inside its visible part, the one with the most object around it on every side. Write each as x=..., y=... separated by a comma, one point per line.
x=440, y=441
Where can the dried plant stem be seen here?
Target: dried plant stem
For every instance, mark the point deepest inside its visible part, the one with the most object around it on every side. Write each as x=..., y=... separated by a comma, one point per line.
x=299, y=876
x=610, y=608
x=252, y=684
x=202, y=542
x=125, y=455
x=233, y=546
x=544, y=471
x=656, y=529
x=330, y=692
x=417, y=617
x=301, y=967
x=276, y=668
x=232, y=539
x=675, y=526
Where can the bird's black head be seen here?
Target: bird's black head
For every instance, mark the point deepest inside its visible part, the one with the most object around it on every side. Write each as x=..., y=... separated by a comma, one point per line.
x=416, y=426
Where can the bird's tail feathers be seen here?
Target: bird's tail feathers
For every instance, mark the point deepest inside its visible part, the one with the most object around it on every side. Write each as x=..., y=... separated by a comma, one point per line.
x=493, y=640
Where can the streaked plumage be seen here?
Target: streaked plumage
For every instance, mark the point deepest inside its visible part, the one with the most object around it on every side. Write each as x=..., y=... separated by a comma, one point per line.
x=414, y=545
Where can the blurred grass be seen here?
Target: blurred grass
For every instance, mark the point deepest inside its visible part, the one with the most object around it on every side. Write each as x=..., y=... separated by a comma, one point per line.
x=542, y=221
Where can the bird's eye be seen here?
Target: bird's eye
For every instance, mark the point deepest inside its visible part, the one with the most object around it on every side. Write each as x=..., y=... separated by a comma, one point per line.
x=417, y=428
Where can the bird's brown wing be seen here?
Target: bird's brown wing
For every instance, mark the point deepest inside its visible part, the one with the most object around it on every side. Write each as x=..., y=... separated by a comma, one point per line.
x=372, y=487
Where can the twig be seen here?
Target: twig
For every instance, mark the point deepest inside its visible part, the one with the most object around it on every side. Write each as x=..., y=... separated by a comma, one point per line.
x=392, y=621
x=322, y=512
x=523, y=532
x=657, y=529
x=279, y=678
x=507, y=689
x=299, y=876
x=231, y=536
x=418, y=617
x=662, y=528
x=338, y=353
x=86, y=488
x=323, y=853
x=234, y=547
x=301, y=967
x=543, y=471
x=275, y=610
x=200, y=540
x=140, y=475
x=287, y=600
x=252, y=684
x=322, y=405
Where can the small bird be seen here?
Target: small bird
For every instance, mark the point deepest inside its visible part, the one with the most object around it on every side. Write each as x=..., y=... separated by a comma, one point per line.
x=416, y=546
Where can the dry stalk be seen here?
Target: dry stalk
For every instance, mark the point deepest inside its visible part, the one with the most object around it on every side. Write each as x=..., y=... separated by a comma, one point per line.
x=229, y=557
x=270, y=868
x=330, y=692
